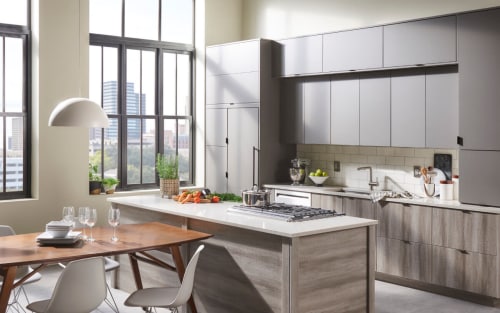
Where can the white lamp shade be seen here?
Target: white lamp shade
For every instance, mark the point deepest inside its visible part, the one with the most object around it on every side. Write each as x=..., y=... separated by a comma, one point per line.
x=79, y=112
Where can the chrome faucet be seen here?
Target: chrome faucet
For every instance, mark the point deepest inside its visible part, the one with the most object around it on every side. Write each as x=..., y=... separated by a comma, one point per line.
x=371, y=182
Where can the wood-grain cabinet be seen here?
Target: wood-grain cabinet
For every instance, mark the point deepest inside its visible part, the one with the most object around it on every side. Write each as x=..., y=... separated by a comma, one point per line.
x=403, y=242
x=421, y=42
x=465, y=251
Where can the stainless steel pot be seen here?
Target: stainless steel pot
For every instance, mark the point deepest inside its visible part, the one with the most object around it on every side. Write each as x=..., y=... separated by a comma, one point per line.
x=256, y=197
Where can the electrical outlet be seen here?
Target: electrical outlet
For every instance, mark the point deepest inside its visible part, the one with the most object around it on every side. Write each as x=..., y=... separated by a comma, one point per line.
x=336, y=166
x=416, y=171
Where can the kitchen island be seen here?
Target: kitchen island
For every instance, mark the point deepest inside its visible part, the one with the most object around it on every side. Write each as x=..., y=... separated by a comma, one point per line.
x=260, y=264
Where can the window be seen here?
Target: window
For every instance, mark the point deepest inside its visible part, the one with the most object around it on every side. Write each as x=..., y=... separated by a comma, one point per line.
x=141, y=73
x=14, y=100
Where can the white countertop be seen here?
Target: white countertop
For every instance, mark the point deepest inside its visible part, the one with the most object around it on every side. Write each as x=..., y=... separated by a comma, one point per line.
x=217, y=213
x=425, y=201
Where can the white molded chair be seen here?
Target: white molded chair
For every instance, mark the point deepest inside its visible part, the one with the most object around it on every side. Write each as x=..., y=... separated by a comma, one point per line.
x=81, y=288
x=111, y=265
x=167, y=297
x=14, y=304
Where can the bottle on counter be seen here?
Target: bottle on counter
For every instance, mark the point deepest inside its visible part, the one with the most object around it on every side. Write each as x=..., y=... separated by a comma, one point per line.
x=455, y=186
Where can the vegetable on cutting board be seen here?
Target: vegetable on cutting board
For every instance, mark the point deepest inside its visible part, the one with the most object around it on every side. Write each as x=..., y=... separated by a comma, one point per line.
x=196, y=196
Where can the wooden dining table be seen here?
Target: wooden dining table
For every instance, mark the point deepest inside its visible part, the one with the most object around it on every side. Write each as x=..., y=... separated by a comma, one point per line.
x=133, y=239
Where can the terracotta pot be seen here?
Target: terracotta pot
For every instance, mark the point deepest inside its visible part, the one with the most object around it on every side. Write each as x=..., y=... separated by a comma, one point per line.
x=169, y=187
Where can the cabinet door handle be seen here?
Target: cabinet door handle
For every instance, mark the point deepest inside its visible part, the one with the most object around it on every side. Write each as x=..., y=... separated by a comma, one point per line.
x=460, y=141
x=464, y=251
x=407, y=242
x=467, y=212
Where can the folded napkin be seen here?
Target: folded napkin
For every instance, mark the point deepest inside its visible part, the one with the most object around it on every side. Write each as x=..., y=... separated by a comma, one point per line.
x=380, y=195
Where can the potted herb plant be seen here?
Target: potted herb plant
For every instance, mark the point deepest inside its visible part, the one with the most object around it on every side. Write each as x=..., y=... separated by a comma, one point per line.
x=167, y=167
x=95, y=180
x=109, y=184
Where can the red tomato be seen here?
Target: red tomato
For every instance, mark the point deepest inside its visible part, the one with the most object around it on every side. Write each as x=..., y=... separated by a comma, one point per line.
x=215, y=199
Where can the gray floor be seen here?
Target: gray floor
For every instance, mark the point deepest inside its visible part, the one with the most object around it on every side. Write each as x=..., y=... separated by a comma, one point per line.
x=389, y=298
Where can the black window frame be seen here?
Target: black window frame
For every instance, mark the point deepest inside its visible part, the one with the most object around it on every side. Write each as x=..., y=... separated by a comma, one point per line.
x=160, y=47
x=24, y=33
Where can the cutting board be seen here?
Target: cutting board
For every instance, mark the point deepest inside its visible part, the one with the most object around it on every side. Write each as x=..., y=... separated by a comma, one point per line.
x=443, y=162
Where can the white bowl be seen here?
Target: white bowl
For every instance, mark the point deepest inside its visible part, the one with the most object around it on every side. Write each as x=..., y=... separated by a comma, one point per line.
x=318, y=180
x=58, y=233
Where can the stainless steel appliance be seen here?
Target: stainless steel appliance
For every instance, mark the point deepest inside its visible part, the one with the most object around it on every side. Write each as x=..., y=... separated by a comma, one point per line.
x=292, y=197
x=285, y=212
x=302, y=166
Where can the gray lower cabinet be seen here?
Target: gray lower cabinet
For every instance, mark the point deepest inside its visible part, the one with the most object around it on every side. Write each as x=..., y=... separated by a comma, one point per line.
x=358, y=49
x=408, y=109
x=298, y=56
x=317, y=110
x=403, y=243
x=464, y=270
x=375, y=109
x=359, y=208
x=441, y=104
x=326, y=202
x=344, y=108
x=405, y=259
x=404, y=222
x=465, y=250
x=426, y=41
x=465, y=230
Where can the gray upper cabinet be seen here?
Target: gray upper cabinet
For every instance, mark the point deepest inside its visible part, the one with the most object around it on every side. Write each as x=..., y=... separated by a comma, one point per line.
x=375, y=110
x=297, y=56
x=427, y=41
x=441, y=122
x=358, y=49
x=408, y=109
x=227, y=58
x=345, y=110
x=233, y=88
x=317, y=111
x=479, y=93
x=292, y=111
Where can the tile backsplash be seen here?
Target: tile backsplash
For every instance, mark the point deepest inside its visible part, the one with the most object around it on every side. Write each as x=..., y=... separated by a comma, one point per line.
x=392, y=167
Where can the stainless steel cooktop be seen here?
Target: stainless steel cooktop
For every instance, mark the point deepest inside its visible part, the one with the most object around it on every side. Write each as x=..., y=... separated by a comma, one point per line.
x=286, y=212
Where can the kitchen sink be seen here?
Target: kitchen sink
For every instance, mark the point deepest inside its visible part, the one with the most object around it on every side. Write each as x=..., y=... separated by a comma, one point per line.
x=363, y=191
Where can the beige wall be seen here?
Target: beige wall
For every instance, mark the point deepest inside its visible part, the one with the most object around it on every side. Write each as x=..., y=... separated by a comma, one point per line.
x=276, y=19
x=223, y=21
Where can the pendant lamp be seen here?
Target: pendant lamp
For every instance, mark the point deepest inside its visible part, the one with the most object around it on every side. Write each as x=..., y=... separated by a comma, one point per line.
x=79, y=112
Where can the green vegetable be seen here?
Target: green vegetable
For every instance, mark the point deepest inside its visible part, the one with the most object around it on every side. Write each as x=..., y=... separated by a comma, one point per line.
x=227, y=197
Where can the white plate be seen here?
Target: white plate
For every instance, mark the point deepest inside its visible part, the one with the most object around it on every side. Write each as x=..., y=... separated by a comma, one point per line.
x=47, y=238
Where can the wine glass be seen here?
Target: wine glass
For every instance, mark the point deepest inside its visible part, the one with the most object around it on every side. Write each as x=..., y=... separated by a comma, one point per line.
x=82, y=218
x=69, y=215
x=114, y=221
x=91, y=216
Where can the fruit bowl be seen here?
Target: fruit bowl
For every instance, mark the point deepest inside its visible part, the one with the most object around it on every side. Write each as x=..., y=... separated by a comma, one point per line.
x=318, y=180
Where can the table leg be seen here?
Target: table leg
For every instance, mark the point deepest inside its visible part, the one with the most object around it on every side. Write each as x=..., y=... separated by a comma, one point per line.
x=135, y=270
x=8, y=283
x=179, y=264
